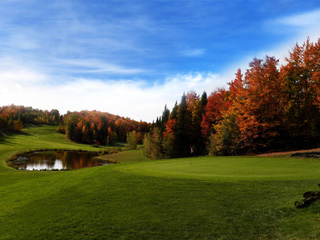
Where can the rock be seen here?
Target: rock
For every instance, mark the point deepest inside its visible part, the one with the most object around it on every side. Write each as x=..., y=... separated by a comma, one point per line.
x=311, y=194
x=299, y=204
x=307, y=154
x=308, y=194
x=309, y=197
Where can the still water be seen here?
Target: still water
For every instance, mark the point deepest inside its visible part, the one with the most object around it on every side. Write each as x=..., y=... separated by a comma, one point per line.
x=57, y=160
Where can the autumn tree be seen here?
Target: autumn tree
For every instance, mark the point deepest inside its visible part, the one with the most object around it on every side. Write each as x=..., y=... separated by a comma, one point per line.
x=17, y=125
x=301, y=78
x=225, y=138
x=93, y=127
x=169, y=139
x=14, y=117
x=266, y=108
x=260, y=108
x=217, y=102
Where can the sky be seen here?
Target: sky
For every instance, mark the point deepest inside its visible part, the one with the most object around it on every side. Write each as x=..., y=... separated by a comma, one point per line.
x=133, y=57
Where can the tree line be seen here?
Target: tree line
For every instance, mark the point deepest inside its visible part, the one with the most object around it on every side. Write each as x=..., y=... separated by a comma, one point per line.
x=89, y=127
x=13, y=117
x=266, y=108
x=94, y=127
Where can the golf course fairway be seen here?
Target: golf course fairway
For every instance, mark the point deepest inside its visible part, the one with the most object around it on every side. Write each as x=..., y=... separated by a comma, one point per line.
x=190, y=198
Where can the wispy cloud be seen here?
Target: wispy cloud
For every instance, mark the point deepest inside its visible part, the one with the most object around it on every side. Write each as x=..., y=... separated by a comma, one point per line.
x=305, y=19
x=298, y=26
x=193, y=52
x=97, y=66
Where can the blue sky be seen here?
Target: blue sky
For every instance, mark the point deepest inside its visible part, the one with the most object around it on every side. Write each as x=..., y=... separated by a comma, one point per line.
x=131, y=57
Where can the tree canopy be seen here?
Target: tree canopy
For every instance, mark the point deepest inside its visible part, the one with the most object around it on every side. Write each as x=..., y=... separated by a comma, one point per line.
x=269, y=107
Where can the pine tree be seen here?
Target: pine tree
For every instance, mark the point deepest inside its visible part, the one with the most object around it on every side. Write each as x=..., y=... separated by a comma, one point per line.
x=174, y=112
x=182, y=142
x=204, y=101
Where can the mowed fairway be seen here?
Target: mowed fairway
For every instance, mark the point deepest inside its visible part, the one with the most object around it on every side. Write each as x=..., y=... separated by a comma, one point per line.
x=194, y=198
x=231, y=168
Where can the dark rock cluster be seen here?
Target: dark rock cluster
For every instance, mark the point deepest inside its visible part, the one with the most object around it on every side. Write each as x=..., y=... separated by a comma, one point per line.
x=307, y=154
x=309, y=197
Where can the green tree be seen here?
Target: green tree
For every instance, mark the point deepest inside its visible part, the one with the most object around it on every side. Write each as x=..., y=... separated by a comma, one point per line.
x=168, y=146
x=152, y=144
x=174, y=112
x=3, y=122
x=226, y=139
x=164, y=118
x=132, y=140
x=10, y=124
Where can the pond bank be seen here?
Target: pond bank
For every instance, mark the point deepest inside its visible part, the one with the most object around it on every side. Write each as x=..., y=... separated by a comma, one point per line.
x=58, y=159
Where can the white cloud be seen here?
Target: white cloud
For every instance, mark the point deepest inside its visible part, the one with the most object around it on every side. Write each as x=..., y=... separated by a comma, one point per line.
x=18, y=72
x=125, y=98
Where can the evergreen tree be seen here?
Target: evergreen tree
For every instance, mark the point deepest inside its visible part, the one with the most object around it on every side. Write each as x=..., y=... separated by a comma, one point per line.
x=182, y=139
x=174, y=112
x=165, y=114
x=203, y=101
x=164, y=118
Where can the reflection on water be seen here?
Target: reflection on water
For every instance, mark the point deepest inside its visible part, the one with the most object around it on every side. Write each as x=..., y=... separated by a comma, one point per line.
x=58, y=160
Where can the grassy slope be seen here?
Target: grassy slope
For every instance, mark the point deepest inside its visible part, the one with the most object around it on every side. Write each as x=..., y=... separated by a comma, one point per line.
x=199, y=198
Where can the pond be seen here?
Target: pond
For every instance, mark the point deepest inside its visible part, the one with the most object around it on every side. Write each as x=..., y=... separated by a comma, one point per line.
x=57, y=160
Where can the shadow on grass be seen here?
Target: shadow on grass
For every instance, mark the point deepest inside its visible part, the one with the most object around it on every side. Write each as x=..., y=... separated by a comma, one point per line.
x=29, y=125
x=6, y=136
x=119, y=144
x=10, y=133
x=5, y=140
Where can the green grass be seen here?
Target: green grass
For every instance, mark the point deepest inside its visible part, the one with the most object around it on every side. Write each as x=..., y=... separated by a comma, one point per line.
x=231, y=168
x=130, y=156
x=194, y=198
